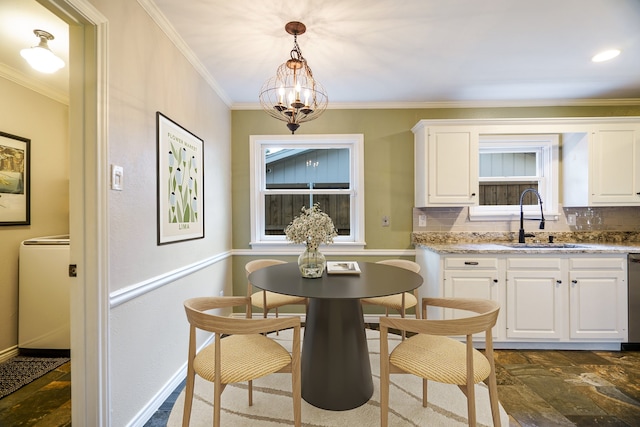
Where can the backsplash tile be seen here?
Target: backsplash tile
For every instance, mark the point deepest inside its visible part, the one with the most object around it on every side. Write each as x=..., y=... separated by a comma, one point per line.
x=453, y=219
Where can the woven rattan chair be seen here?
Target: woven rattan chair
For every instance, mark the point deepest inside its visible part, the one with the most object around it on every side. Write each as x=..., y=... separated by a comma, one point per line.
x=400, y=302
x=242, y=354
x=264, y=299
x=433, y=355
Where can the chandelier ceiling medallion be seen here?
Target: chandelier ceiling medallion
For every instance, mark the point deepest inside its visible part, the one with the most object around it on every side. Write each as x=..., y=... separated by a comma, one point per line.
x=293, y=95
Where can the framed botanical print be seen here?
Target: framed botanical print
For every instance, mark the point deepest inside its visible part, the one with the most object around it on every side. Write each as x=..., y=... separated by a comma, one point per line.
x=180, y=161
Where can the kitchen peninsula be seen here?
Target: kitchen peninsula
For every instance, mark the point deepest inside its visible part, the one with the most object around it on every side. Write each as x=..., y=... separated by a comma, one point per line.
x=570, y=294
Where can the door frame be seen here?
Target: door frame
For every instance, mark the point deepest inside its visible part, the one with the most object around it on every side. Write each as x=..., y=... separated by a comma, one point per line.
x=88, y=209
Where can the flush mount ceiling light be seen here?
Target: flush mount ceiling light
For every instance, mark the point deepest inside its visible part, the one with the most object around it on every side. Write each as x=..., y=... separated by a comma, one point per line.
x=40, y=57
x=293, y=95
x=605, y=55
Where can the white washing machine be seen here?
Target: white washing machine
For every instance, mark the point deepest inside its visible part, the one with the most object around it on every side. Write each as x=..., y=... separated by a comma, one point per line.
x=44, y=294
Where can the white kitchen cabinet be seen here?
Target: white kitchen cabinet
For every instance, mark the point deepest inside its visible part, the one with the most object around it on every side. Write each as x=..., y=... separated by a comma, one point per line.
x=559, y=300
x=474, y=277
x=446, y=165
x=597, y=298
x=600, y=158
x=464, y=276
x=536, y=298
x=602, y=167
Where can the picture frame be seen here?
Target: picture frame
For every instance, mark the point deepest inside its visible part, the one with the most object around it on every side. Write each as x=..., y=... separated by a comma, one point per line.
x=180, y=182
x=15, y=180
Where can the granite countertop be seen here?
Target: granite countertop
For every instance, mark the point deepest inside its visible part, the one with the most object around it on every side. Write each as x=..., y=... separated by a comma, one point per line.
x=505, y=243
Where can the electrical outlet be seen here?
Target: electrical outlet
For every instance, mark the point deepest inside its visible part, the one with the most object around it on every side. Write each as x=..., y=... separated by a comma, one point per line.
x=571, y=219
x=385, y=221
x=422, y=220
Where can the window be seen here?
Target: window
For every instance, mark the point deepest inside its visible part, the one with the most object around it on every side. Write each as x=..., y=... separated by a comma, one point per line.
x=292, y=172
x=509, y=164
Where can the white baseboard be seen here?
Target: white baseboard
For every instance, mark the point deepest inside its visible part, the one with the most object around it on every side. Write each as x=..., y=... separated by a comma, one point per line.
x=163, y=394
x=8, y=353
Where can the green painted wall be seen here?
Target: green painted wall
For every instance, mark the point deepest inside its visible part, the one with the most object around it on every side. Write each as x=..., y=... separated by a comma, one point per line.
x=388, y=150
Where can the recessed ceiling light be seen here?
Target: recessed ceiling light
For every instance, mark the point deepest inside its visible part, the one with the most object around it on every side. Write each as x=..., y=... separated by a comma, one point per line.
x=606, y=55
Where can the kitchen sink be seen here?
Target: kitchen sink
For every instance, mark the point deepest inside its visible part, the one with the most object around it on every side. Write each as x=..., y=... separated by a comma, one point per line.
x=543, y=245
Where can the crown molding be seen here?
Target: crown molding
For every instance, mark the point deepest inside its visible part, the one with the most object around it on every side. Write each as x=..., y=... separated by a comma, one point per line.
x=462, y=104
x=17, y=77
x=158, y=17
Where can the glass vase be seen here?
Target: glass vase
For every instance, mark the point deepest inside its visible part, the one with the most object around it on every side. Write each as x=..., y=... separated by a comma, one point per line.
x=311, y=263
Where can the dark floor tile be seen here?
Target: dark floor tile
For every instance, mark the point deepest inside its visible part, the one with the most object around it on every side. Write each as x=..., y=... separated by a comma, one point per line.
x=585, y=358
x=528, y=370
x=561, y=396
x=528, y=408
x=510, y=357
x=60, y=417
x=29, y=389
x=37, y=406
x=548, y=358
x=614, y=403
x=504, y=377
x=159, y=419
x=588, y=421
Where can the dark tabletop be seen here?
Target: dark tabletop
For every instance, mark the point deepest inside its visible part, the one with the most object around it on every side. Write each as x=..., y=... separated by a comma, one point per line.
x=374, y=280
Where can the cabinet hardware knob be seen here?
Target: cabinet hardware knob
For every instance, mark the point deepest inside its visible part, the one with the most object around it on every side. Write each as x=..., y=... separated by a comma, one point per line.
x=474, y=194
x=574, y=281
x=559, y=282
x=471, y=263
x=495, y=280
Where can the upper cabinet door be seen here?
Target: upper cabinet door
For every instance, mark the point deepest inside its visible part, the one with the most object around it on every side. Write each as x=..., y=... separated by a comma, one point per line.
x=615, y=160
x=446, y=166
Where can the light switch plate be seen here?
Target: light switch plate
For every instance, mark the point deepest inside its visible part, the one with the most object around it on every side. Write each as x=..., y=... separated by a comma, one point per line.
x=117, y=177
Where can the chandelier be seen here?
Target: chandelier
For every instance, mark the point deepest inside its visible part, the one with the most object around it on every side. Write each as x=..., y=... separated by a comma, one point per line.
x=293, y=95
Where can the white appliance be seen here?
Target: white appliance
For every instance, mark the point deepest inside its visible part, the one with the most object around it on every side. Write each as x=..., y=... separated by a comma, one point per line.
x=44, y=294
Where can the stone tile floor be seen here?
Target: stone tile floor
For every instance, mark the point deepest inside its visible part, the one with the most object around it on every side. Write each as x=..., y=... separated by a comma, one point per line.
x=536, y=388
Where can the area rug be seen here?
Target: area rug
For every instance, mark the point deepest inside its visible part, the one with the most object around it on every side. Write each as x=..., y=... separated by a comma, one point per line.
x=20, y=370
x=272, y=403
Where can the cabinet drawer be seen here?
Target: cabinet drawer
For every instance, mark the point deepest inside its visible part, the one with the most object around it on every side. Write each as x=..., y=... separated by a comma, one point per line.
x=470, y=262
x=534, y=263
x=582, y=263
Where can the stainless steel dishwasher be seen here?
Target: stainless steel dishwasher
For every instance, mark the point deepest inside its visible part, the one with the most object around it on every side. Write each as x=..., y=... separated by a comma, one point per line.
x=634, y=303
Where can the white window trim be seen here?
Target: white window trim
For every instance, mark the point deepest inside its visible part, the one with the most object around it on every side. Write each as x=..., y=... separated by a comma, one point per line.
x=354, y=142
x=548, y=147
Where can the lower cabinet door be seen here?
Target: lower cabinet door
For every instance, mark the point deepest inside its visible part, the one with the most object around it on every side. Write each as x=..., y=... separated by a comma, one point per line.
x=536, y=304
x=484, y=284
x=598, y=304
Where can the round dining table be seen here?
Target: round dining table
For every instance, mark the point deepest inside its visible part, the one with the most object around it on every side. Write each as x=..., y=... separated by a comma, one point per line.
x=336, y=372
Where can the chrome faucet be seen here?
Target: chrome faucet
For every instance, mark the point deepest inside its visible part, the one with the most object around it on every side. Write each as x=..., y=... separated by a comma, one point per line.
x=521, y=234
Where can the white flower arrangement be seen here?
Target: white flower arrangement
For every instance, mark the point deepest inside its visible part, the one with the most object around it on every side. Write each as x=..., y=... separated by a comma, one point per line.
x=311, y=227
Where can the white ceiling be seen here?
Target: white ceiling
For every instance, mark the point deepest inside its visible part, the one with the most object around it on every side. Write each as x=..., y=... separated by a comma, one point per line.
x=390, y=52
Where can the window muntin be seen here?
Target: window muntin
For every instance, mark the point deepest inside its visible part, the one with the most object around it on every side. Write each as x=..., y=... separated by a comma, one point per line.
x=509, y=164
x=289, y=172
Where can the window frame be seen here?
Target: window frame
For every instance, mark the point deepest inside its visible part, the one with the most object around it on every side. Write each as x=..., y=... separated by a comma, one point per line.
x=257, y=169
x=548, y=147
